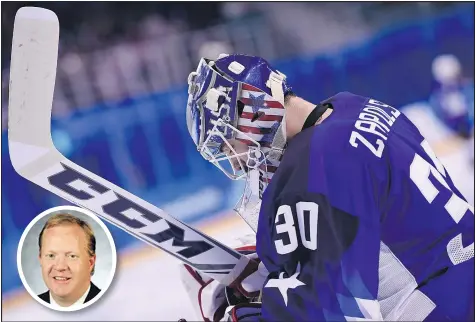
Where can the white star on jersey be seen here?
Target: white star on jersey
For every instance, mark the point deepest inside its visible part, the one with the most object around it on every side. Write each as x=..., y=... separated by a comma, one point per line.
x=283, y=284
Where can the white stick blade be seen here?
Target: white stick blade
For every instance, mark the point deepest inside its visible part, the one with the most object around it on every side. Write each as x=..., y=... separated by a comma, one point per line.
x=32, y=78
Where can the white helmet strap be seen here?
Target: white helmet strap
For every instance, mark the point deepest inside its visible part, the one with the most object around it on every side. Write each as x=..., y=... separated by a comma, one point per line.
x=275, y=84
x=254, y=181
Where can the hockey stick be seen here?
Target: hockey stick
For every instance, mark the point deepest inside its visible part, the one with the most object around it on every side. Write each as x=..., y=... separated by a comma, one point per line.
x=34, y=156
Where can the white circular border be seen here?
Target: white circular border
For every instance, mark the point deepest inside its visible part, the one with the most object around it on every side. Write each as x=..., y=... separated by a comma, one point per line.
x=109, y=237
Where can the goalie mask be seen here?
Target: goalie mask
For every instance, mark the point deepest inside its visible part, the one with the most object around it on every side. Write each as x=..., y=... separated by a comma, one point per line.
x=235, y=116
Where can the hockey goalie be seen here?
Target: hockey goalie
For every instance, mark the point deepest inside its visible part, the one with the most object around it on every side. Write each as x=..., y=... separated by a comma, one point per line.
x=359, y=220
x=355, y=217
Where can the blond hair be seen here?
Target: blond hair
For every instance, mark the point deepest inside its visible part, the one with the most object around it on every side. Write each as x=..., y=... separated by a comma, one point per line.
x=67, y=219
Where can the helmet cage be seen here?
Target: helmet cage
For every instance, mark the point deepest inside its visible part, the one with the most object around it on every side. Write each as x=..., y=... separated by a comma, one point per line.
x=232, y=163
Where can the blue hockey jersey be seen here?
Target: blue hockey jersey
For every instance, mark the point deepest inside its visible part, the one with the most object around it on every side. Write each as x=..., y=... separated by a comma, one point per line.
x=362, y=222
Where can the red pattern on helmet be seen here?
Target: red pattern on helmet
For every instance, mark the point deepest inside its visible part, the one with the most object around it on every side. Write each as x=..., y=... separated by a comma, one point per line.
x=247, y=87
x=263, y=117
x=271, y=112
x=251, y=129
x=267, y=103
x=249, y=142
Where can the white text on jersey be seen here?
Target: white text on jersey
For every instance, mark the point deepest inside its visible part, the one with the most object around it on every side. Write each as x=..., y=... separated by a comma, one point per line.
x=376, y=118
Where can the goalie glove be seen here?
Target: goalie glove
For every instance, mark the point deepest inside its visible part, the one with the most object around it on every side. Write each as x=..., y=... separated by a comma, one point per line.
x=210, y=299
x=243, y=312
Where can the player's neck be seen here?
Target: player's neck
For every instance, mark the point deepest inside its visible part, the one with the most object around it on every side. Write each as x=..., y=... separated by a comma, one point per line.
x=297, y=111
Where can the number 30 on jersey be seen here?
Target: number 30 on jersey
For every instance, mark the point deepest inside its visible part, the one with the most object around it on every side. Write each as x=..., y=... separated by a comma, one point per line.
x=307, y=216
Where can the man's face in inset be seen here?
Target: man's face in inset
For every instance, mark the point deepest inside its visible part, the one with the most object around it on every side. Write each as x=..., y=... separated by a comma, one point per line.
x=65, y=262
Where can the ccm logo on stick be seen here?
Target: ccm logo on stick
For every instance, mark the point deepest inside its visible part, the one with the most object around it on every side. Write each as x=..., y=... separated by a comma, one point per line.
x=116, y=208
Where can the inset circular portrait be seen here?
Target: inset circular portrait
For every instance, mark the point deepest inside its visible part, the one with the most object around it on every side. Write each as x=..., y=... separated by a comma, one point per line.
x=66, y=258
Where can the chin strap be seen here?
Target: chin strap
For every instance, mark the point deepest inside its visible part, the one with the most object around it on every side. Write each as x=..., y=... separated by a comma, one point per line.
x=314, y=115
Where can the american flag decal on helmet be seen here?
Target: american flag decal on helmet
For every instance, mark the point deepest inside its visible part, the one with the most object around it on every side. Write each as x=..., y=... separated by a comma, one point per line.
x=271, y=113
x=262, y=128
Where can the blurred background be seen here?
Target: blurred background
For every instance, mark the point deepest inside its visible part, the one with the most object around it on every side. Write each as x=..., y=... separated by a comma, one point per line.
x=120, y=97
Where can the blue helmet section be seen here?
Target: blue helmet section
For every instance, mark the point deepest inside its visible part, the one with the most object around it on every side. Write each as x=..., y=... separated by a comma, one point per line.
x=215, y=88
x=200, y=115
x=256, y=71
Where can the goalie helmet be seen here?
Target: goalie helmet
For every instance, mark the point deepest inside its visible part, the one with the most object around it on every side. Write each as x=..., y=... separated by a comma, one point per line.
x=237, y=101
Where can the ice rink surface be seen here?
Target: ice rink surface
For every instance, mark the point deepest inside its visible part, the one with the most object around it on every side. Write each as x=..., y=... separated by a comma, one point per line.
x=147, y=286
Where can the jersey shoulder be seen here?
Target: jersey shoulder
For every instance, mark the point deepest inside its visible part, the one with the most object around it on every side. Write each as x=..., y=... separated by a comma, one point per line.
x=333, y=130
x=333, y=136
x=323, y=153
